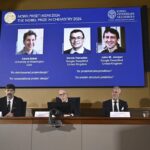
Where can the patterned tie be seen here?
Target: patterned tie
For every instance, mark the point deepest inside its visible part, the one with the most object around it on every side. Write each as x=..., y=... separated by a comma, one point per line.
x=115, y=106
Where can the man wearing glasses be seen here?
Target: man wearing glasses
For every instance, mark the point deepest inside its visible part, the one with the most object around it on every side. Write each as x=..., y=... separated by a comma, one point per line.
x=76, y=40
x=67, y=105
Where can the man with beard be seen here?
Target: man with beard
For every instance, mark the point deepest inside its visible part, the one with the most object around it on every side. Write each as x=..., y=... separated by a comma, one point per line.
x=10, y=105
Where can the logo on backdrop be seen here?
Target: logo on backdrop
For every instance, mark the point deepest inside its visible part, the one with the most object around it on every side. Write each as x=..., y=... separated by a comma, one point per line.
x=10, y=17
x=112, y=14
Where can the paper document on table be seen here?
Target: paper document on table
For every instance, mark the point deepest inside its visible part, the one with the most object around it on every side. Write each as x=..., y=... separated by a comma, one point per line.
x=120, y=114
x=41, y=114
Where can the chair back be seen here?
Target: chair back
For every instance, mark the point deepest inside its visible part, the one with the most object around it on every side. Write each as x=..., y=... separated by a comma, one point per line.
x=74, y=101
x=24, y=104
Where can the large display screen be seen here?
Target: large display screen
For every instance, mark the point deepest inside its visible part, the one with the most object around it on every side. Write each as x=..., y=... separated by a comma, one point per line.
x=89, y=47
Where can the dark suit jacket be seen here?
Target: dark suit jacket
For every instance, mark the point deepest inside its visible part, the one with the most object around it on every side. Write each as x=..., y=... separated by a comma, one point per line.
x=86, y=51
x=73, y=106
x=16, y=107
x=107, y=107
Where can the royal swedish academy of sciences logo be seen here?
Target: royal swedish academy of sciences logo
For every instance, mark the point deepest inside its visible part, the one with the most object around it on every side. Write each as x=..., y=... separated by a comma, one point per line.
x=112, y=14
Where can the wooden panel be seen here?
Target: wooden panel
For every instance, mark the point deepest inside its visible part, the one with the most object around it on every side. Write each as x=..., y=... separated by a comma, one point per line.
x=76, y=120
x=16, y=120
x=47, y=4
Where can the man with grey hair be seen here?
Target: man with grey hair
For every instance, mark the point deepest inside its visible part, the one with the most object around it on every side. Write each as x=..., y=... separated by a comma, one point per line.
x=67, y=105
x=115, y=103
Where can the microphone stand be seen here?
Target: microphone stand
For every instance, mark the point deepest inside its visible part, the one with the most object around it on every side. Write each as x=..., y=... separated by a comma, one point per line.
x=52, y=120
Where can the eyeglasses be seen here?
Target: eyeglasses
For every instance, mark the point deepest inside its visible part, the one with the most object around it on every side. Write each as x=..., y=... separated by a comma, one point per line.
x=62, y=94
x=76, y=38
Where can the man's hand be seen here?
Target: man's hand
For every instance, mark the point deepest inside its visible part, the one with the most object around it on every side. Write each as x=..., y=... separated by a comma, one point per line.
x=9, y=114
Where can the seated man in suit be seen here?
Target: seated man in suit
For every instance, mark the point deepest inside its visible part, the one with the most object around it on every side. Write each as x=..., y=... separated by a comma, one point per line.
x=76, y=40
x=10, y=105
x=67, y=105
x=114, y=104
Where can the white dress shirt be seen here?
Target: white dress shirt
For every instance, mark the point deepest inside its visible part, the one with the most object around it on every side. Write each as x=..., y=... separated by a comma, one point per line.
x=79, y=51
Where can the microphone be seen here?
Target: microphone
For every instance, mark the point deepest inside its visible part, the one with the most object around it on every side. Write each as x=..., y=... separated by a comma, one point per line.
x=53, y=113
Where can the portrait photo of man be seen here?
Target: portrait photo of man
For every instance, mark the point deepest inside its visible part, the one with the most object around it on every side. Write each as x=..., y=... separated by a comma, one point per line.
x=79, y=41
x=111, y=40
x=32, y=40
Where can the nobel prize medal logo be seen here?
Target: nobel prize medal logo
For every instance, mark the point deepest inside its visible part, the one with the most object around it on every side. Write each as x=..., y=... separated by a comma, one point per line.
x=9, y=17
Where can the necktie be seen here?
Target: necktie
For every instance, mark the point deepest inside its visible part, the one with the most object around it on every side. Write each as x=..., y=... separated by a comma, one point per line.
x=115, y=106
x=8, y=106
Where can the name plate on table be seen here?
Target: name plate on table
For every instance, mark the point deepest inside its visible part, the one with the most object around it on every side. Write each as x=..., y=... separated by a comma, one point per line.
x=41, y=114
x=1, y=114
x=120, y=114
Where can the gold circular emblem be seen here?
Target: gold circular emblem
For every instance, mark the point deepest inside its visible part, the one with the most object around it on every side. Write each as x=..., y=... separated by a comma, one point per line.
x=10, y=17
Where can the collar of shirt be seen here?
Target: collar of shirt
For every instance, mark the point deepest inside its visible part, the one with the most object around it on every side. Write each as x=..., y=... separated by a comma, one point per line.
x=80, y=50
x=65, y=101
x=113, y=49
x=113, y=101
x=28, y=52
